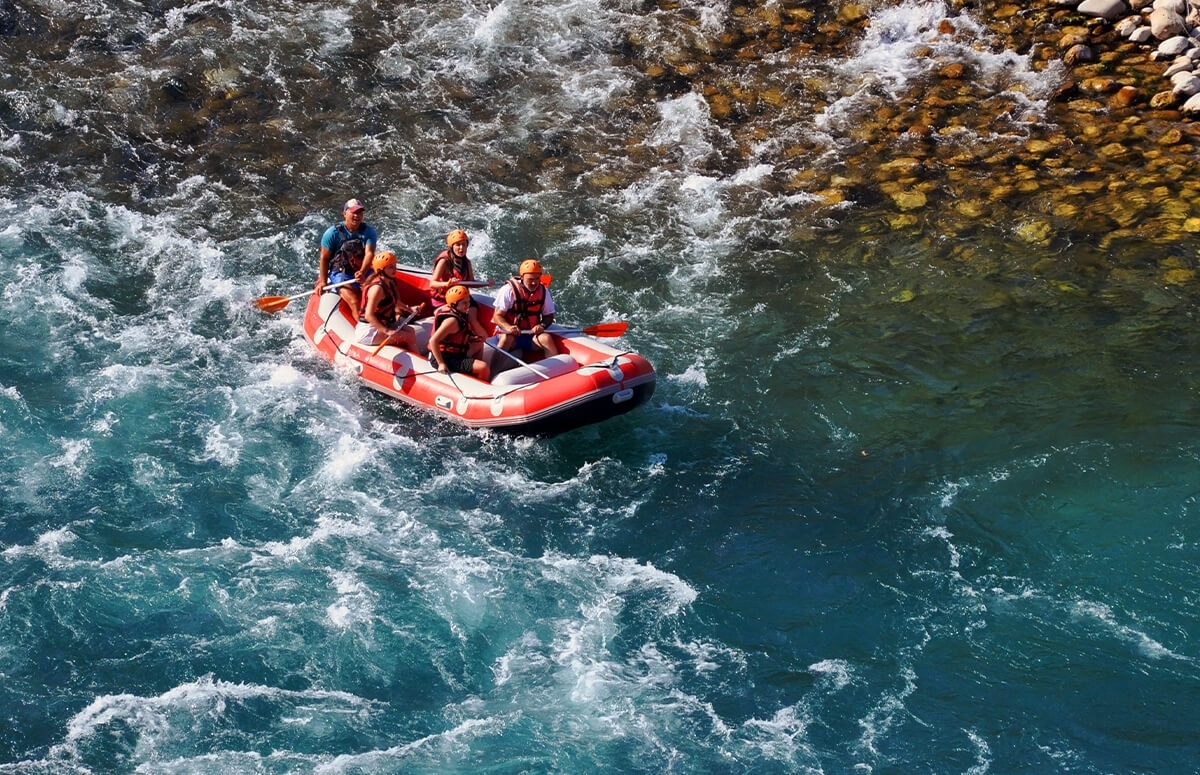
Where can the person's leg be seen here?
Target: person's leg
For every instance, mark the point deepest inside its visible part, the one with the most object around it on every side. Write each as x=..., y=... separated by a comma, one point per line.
x=349, y=294
x=468, y=365
x=480, y=370
x=404, y=337
x=546, y=342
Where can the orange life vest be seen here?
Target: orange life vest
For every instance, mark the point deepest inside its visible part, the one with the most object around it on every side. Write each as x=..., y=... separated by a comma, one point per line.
x=385, y=308
x=459, y=270
x=457, y=343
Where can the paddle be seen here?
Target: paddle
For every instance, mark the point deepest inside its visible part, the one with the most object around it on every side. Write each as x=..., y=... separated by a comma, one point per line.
x=403, y=323
x=277, y=303
x=602, y=330
x=492, y=283
x=529, y=366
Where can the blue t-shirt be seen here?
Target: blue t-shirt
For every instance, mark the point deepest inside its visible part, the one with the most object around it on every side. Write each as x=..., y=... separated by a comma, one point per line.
x=335, y=235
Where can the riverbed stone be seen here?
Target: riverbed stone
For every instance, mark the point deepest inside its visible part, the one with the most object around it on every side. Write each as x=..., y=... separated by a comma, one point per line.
x=1141, y=35
x=1078, y=54
x=1175, y=46
x=1180, y=65
x=909, y=199
x=1185, y=84
x=1177, y=6
x=1105, y=9
x=1163, y=99
x=1035, y=232
x=1125, y=97
x=1165, y=24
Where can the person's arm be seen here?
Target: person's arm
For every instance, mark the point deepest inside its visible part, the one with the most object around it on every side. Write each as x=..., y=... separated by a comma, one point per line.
x=327, y=252
x=547, y=317
x=500, y=314
x=439, y=278
x=477, y=326
x=502, y=323
x=365, y=270
x=322, y=267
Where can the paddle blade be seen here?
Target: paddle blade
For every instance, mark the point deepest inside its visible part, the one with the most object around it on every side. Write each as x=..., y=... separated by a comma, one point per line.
x=272, y=303
x=607, y=330
x=546, y=280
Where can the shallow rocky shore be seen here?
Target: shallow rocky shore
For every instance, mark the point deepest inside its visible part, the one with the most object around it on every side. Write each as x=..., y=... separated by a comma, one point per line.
x=1102, y=157
x=1106, y=160
x=1167, y=32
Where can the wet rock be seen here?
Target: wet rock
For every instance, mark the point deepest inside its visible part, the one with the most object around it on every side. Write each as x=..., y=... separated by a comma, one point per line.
x=1078, y=54
x=177, y=89
x=1035, y=232
x=1125, y=97
x=1163, y=99
x=1073, y=39
x=1172, y=136
x=852, y=13
x=952, y=71
x=1099, y=85
x=909, y=199
x=1127, y=26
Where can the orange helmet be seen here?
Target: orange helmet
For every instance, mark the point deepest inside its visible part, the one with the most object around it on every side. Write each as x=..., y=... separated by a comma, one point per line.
x=530, y=266
x=455, y=237
x=383, y=260
x=456, y=294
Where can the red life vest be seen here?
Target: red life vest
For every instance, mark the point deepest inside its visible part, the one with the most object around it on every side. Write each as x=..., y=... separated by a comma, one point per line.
x=459, y=270
x=457, y=343
x=385, y=308
x=527, y=305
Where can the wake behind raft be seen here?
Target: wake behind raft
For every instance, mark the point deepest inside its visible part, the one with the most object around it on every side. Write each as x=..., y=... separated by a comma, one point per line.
x=587, y=382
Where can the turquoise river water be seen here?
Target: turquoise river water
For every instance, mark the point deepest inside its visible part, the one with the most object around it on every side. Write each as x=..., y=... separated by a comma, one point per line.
x=889, y=510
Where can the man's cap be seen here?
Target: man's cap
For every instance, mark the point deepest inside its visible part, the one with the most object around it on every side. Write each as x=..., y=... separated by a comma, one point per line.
x=354, y=205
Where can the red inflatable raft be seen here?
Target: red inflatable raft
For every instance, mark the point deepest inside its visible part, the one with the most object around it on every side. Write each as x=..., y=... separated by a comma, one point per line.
x=588, y=381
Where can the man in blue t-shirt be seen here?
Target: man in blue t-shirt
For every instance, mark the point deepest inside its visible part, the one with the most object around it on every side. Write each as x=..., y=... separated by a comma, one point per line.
x=347, y=250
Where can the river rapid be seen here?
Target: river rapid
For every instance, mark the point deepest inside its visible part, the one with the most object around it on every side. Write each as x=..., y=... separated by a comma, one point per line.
x=917, y=491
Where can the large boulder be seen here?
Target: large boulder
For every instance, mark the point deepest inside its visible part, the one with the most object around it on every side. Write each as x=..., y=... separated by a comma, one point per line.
x=1166, y=24
x=1173, y=47
x=1105, y=9
x=1178, y=6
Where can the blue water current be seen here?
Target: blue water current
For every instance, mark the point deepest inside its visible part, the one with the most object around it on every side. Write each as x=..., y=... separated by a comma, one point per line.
x=889, y=510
